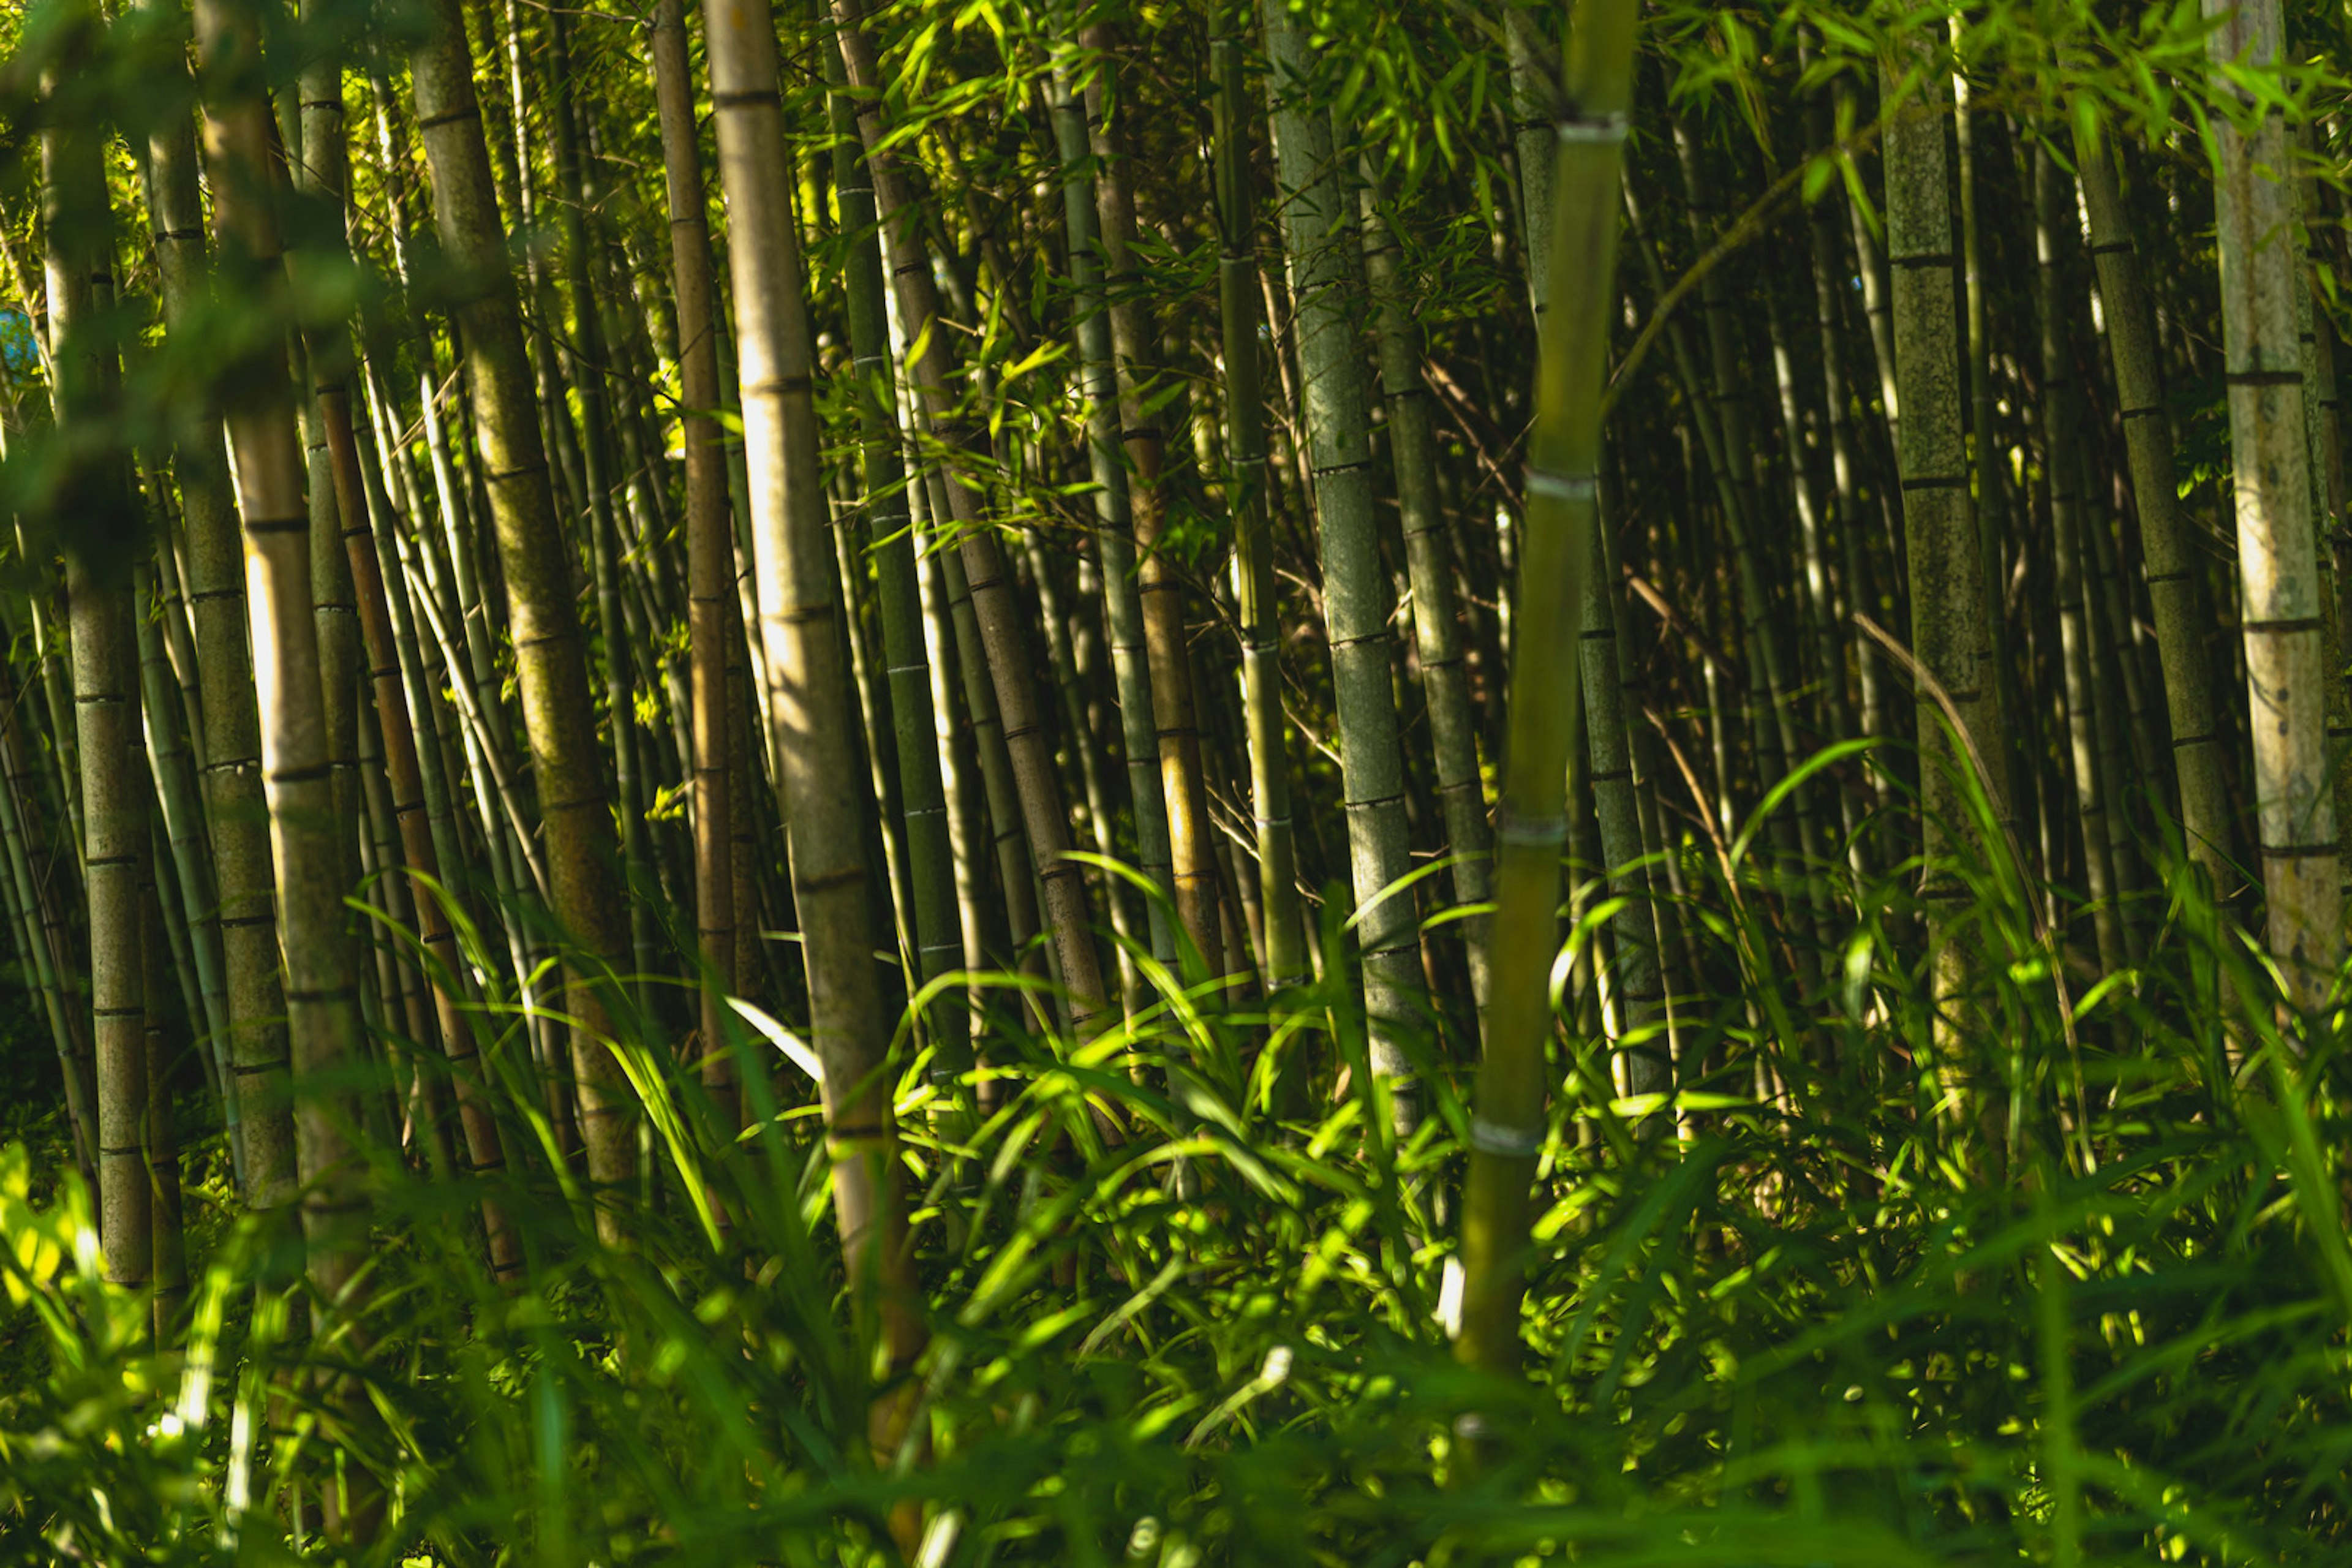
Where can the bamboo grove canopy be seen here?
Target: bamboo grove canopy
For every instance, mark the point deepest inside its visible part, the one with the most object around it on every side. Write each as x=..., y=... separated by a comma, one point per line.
x=1327, y=781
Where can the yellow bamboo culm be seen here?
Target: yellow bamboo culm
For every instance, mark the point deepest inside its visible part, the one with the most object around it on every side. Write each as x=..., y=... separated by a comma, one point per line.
x=1507, y=1127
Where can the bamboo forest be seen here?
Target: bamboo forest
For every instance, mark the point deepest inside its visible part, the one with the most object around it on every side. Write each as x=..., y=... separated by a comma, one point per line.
x=1403, y=783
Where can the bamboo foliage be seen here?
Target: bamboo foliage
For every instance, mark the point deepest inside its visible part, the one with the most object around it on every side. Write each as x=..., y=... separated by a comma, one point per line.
x=1446, y=673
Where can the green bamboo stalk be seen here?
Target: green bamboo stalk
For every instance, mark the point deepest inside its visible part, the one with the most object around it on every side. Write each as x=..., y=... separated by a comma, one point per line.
x=1946, y=569
x=587, y=356
x=177, y=793
x=78, y=241
x=167, y=1239
x=922, y=795
x=28, y=901
x=1429, y=565
x=1506, y=1132
x=995, y=608
x=1624, y=847
x=1137, y=345
x=1115, y=540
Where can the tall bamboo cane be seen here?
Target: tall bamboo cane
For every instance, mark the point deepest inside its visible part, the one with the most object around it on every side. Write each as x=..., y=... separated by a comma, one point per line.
x=1320, y=234
x=2278, y=570
x=709, y=553
x=321, y=993
x=76, y=230
x=1506, y=1132
x=558, y=718
x=808, y=687
x=1135, y=342
x=1946, y=569
x=1124, y=610
x=257, y=1109
x=2061, y=416
x=1245, y=494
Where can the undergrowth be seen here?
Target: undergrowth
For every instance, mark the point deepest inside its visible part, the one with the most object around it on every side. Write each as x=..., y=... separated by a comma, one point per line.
x=2068, y=1283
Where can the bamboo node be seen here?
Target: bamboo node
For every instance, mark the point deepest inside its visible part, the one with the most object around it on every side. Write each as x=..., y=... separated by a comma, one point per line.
x=1535, y=832
x=1610, y=127
x=1574, y=487
x=1509, y=1142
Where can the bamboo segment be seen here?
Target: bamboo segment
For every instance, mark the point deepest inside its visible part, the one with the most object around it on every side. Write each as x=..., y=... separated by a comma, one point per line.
x=1131, y=653
x=257, y=1107
x=2278, y=569
x=1319, y=237
x=1623, y=845
x=76, y=230
x=808, y=687
x=167, y=1241
x=587, y=360
x=28, y=901
x=1506, y=1132
x=176, y=790
x=2061, y=416
x=106, y=713
x=1429, y=564
x=1245, y=495
x=550, y=660
x=709, y=552
x=923, y=793
x=2199, y=738
x=1948, y=596
x=321, y=992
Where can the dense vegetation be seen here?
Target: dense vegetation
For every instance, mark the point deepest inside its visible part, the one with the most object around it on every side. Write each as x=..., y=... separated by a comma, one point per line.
x=1176, y=784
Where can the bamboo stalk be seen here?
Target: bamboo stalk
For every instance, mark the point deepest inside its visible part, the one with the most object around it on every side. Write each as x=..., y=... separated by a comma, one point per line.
x=1141, y=354
x=1124, y=614
x=2278, y=575
x=710, y=562
x=2062, y=465
x=258, y=1112
x=78, y=239
x=1318, y=228
x=996, y=611
x=1507, y=1131
x=2197, y=737
x=1948, y=594
x=1257, y=608
x=321, y=992
x=807, y=691
x=551, y=661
